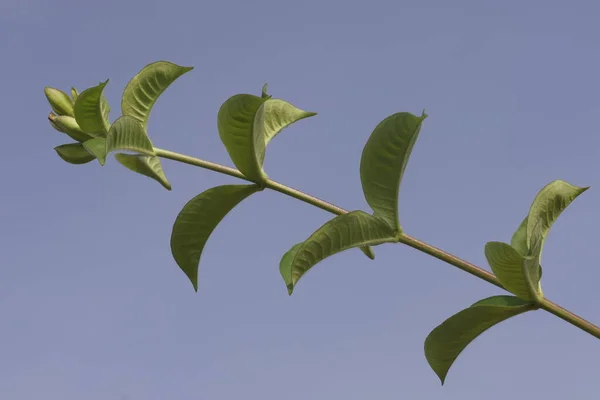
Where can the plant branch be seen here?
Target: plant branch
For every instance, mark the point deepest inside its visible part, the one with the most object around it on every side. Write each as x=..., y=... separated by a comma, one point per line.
x=408, y=240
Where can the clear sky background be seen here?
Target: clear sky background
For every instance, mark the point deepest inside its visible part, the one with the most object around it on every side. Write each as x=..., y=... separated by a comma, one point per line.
x=93, y=307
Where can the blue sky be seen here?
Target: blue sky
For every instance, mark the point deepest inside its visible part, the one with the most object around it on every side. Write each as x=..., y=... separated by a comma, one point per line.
x=92, y=304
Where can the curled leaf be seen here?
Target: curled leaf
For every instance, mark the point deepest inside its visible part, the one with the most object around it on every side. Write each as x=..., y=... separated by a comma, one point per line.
x=280, y=114
x=549, y=203
x=445, y=343
x=519, y=239
x=248, y=123
x=343, y=232
x=92, y=109
x=145, y=88
x=512, y=270
x=240, y=122
x=383, y=162
x=198, y=219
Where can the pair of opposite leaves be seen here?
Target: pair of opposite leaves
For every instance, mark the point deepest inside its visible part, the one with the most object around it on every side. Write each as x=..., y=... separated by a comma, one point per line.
x=127, y=133
x=517, y=266
x=244, y=117
x=383, y=162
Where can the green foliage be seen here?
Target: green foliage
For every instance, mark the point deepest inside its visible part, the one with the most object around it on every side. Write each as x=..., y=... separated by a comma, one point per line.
x=509, y=267
x=239, y=123
x=97, y=147
x=198, y=219
x=145, y=165
x=550, y=202
x=343, y=232
x=128, y=134
x=143, y=90
x=444, y=344
x=519, y=239
x=383, y=161
x=92, y=109
x=246, y=125
x=74, y=153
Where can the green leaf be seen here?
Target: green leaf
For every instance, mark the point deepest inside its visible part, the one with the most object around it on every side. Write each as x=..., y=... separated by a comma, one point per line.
x=240, y=123
x=248, y=123
x=448, y=340
x=343, y=232
x=383, y=161
x=127, y=134
x=60, y=102
x=264, y=93
x=519, y=239
x=549, y=203
x=149, y=166
x=74, y=153
x=511, y=270
x=97, y=147
x=92, y=109
x=280, y=114
x=198, y=219
x=143, y=90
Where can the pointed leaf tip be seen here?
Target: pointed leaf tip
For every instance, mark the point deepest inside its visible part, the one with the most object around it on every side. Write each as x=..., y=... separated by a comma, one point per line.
x=149, y=166
x=264, y=90
x=547, y=206
x=447, y=341
x=198, y=219
x=346, y=231
x=97, y=147
x=144, y=89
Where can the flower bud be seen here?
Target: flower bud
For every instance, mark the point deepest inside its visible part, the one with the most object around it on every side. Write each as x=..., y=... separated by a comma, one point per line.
x=60, y=102
x=74, y=94
x=68, y=125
